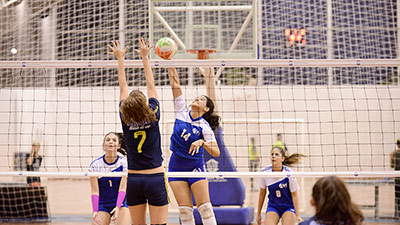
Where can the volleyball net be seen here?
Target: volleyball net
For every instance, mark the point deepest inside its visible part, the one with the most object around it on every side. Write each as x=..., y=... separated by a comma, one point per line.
x=323, y=74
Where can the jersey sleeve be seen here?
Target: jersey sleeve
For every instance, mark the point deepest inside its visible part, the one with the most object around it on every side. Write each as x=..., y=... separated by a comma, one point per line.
x=155, y=105
x=262, y=183
x=208, y=134
x=92, y=167
x=179, y=104
x=293, y=185
x=124, y=165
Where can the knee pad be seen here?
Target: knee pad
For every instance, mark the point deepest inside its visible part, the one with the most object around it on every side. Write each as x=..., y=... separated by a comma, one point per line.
x=186, y=215
x=206, y=210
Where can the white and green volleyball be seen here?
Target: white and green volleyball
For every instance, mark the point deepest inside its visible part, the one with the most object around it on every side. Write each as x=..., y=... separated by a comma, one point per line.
x=166, y=48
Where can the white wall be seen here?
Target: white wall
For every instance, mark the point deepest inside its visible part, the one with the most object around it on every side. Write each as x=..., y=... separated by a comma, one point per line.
x=339, y=128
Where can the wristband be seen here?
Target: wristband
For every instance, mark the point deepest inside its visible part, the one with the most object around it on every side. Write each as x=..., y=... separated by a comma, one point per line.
x=120, y=198
x=95, y=203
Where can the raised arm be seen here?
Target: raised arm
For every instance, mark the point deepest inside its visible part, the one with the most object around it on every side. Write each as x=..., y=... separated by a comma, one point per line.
x=120, y=55
x=174, y=82
x=144, y=53
x=208, y=74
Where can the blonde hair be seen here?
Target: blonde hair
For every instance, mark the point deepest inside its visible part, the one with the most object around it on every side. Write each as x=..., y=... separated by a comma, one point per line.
x=134, y=109
x=35, y=143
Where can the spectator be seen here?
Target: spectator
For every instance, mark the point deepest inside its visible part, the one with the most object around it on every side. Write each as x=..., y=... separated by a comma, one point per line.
x=33, y=163
x=279, y=142
x=254, y=160
x=333, y=204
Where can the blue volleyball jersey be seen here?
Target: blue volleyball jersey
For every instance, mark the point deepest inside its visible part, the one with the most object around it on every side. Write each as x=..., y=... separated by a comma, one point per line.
x=143, y=141
x=280, y=189
x=108, y=186
x=188, y=130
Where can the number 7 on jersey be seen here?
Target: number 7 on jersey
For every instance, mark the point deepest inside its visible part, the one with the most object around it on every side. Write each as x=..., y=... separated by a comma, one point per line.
x=136, y=135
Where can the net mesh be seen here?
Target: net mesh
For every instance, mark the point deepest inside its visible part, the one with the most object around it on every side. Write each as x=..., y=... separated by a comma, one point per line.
x=342, y=118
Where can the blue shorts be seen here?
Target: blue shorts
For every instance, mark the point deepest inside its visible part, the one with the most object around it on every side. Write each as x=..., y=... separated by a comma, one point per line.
x=108, y=208
x=147, y=188
x=179, y=164
x=280, y=210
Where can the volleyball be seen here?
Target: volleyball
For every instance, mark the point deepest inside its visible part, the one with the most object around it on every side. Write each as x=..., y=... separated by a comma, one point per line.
x=166, y=48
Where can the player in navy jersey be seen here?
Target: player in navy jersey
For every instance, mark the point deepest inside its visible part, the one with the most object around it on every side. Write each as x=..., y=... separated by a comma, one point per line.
x=193, y=132
x=139, y=118
x=108, y=193
x=283, y=200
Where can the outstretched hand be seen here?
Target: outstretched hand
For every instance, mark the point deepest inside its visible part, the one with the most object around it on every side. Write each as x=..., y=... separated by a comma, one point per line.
x=144, y=48
x=117, y=51
x=194, y=148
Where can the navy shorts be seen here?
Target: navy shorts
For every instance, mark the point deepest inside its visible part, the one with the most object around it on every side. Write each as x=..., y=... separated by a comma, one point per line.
x=280, y=210
x=147, y=188
x=179, y=164
x=108, y=208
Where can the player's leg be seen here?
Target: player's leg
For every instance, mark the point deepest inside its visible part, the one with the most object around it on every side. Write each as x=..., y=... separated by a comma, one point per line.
x=272, y=218
x=288, y=218
x=138, y=214
x=124, y=217
x=202, y=197
x=102, y=218
x=158, y=214
x=183, y=197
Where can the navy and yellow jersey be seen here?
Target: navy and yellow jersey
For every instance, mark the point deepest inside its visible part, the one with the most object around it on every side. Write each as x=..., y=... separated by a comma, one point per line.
x=143, y=141
x=188, y=130
x=280, y=189
x=108, y=186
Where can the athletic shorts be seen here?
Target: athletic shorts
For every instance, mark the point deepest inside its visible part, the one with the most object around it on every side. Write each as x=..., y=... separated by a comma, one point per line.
x=147, y=188
x=179, y=164
x=108, y=208
x=280, y=210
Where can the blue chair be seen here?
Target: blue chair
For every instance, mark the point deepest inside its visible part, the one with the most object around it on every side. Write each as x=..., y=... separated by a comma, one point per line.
x=225, y=191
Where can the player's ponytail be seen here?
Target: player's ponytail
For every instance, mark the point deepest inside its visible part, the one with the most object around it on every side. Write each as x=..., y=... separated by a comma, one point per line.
x=289, y=159
x=212, y=118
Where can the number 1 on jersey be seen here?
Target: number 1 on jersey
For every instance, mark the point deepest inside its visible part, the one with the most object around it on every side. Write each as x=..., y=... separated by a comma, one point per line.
x=136, y=135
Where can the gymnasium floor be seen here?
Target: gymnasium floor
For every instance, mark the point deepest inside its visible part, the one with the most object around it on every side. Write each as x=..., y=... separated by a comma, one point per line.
x=69, y=202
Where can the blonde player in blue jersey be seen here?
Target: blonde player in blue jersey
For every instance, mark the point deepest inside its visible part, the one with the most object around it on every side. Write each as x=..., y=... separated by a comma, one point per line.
x=193, y=132
x=146, y=176
x=283, y=199
x=108, y=193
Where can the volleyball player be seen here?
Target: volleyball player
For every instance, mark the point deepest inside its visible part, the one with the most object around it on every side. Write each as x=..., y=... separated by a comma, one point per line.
x=192, y=133
x=333, y=204
x=139, y=118
x=283, y=199
x=108, y=193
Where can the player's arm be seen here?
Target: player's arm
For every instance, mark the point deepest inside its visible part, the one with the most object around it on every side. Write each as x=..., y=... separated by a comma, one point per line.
x=296, y=204
x=95, y=197
x=174, y=82
x=120, y=197
x=120, y=55
x=261, y=198
x=208, y=74
x=212, y=148
x=144, y=53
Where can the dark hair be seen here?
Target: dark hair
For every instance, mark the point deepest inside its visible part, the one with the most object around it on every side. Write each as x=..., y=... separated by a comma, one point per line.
x=134, y=109
x=121, y=141
x=398, y=143
x=289, y=160
x=333, y=203
x=212, y=118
